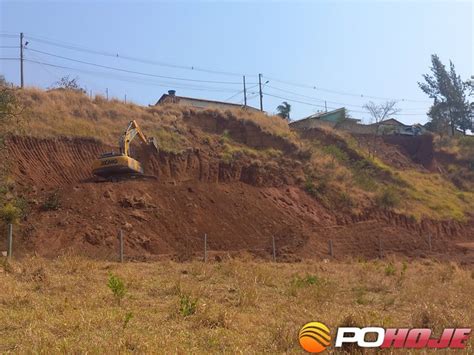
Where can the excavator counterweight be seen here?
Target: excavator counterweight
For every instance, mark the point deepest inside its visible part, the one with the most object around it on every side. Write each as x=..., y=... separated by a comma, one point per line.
x=113, y=165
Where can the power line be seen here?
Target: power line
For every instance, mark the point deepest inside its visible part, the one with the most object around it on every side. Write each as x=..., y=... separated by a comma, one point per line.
x=129, y=58
x=10, y=58
x=328, y=101
x=314, y=87
x=240, y=92
x=132, y=71
x=333, y=108
x=147, y=61
x=9, y=46
x=132, y=80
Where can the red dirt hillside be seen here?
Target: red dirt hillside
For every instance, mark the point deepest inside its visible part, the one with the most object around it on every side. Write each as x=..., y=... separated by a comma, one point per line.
x=240, y=178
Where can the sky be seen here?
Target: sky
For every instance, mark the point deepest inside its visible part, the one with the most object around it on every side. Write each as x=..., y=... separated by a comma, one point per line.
x=312, y=54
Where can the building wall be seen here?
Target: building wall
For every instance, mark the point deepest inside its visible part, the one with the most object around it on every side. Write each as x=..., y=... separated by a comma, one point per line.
x=311, y=123
x=196, y=103
x=334, y=116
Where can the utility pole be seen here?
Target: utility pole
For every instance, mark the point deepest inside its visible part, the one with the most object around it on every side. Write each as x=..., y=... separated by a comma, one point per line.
x=326, y=106
x=260, y=89
x=21, y=60
x=245, y=93
x=107, y=93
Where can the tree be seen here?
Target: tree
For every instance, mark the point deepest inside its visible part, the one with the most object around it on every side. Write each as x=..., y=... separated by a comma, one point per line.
x=8, y=106
x=69, y=84
x=379, y=113
x=284, y=110
x=450, y=109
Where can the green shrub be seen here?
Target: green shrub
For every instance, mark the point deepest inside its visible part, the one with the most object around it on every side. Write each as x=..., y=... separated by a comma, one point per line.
x=187, y=305
x=305, y=281
x=390, y=270
x=52, y=202
x=22, y=204
x=10, y=213
x=117, y=286
x=128, y=317
x=310, y=187
x=336, y=152
x=316, y=189
x=387, y=198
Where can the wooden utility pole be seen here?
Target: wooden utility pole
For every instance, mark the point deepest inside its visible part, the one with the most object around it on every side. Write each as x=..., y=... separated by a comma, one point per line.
x=21, y=60
x=260, y=89
x=245, y=93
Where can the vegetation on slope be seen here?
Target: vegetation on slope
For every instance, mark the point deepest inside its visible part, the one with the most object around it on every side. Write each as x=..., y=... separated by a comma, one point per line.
x=61, y=112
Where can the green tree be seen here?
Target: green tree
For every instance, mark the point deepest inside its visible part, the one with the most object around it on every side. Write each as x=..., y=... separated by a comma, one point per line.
x=9, y=107
x=284, y=110
x=450, y=109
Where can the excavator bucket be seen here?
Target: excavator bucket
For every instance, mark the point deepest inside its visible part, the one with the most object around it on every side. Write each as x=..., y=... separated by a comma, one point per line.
x=153, y=142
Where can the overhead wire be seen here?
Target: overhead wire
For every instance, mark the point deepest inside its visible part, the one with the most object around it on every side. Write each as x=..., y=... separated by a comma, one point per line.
x=328, y=101
x=333, y=108
x=132, y=80
x=75, y=47
x=129, y=58
x=132, y=71
x=315, y=87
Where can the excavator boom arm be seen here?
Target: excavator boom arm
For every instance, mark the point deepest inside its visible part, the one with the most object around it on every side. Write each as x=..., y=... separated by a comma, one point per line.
x=129, y=135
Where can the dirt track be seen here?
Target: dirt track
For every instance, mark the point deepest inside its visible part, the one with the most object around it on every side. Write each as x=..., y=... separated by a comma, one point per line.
x=239, y=206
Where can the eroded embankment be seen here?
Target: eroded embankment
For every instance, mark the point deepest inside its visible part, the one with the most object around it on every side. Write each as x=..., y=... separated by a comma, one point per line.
x=64, y=161
x=239, y=205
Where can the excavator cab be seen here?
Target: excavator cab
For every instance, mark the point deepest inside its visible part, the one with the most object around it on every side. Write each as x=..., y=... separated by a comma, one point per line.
x=112, y=165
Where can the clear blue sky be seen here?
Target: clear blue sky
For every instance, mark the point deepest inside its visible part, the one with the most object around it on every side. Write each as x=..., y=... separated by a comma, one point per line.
x=371, y=48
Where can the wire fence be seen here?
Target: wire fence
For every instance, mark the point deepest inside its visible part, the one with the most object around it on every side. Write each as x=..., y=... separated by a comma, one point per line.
x=333, y=242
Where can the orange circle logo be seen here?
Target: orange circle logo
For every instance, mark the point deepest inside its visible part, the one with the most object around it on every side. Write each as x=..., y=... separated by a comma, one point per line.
x=314, y=337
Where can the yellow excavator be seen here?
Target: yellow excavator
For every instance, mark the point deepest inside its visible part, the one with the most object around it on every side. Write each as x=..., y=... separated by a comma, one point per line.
x=114, y=166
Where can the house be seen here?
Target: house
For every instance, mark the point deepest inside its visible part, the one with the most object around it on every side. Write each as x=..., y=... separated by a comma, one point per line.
x=392, y=126
x=328, y=119
x=172, y=98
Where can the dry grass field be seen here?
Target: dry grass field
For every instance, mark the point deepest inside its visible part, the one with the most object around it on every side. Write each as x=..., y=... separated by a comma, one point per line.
x=67, y=305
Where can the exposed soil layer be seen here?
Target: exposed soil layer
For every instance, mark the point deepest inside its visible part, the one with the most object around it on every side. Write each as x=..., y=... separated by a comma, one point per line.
x=240, y=206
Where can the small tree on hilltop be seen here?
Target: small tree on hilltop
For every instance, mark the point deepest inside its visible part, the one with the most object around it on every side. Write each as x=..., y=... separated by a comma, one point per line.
x=379, y=113
x=284, y=110
x=68, y=83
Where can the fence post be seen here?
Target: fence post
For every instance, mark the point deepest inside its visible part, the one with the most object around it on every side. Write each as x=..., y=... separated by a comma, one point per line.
x=121, y=245
x=429, y=242
x=380, y=248
x=273, y=247
x=205, y=247
x=10, y=240
x=331, y=251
